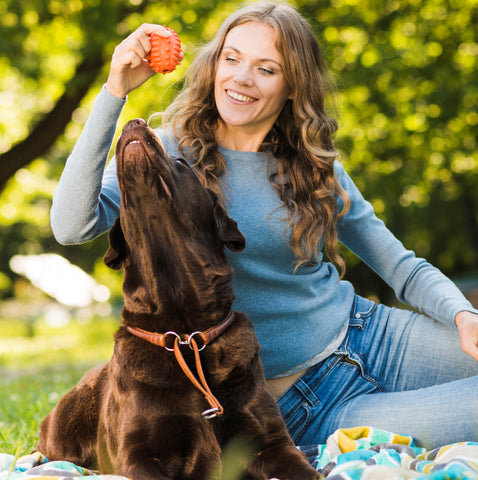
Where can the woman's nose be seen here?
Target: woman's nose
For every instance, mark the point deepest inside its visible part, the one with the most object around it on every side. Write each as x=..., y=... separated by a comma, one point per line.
x=243, y=77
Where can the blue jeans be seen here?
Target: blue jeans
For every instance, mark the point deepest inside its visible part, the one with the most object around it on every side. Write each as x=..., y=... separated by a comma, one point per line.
x=395, y=370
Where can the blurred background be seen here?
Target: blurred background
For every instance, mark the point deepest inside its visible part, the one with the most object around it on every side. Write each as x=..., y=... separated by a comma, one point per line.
x=406, y=74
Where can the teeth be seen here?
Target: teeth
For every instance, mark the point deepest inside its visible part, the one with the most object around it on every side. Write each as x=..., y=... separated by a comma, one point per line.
x=239, y=97
x=134, y=141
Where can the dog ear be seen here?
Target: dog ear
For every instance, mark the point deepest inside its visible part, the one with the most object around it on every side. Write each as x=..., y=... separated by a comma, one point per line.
x=230, y=235
x=116, y=254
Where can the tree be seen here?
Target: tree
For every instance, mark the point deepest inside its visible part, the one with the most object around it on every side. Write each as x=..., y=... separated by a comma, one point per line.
x=408, y=96
x=54, y=58
x=407, y=93
x=99, y=26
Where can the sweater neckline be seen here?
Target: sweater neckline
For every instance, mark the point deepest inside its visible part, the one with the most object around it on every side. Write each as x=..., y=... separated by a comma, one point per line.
x=243, y=155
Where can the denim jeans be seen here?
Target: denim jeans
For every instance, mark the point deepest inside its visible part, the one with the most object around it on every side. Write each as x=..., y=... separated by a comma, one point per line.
x=396, y=370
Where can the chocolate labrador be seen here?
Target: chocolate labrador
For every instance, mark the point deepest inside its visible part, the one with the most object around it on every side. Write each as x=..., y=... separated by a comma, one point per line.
x=185, y=378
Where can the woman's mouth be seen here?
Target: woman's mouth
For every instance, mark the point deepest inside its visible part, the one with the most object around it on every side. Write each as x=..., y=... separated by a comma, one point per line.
x=240, y=97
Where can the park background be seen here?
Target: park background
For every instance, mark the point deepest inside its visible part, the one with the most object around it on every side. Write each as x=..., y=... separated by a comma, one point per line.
x=407, y=96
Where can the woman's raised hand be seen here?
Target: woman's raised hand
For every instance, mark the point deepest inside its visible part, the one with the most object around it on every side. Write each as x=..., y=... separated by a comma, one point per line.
x=129, y=67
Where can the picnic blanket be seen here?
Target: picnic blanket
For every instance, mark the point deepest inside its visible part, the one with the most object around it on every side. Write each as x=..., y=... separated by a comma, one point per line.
x=365, y=453
x=361, y=453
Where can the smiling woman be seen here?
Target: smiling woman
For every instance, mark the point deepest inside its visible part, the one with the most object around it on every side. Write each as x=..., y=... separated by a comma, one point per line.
x=250, y=87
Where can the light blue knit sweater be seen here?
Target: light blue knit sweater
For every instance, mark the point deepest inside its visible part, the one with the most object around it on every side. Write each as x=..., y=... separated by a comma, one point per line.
x=299, y=319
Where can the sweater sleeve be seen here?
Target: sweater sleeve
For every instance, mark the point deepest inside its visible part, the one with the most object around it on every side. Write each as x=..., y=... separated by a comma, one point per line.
x=86, y=203
x=414, y=280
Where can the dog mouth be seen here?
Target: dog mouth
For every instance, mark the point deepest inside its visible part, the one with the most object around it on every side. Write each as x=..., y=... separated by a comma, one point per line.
x=141, y=161
x=129, y=144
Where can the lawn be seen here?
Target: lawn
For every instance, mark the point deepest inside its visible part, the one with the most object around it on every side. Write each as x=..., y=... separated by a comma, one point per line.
x=35, y=371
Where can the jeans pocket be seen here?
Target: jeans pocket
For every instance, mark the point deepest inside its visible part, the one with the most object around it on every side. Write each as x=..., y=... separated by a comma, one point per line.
x=362, y=310
x=298, y=419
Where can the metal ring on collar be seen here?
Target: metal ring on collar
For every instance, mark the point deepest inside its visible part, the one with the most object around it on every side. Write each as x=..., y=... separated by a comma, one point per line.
x=171, y=349
x=191, y=336
x=211, y=413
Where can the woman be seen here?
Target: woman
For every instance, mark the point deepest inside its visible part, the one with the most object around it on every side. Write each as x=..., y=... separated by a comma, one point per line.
x=251, y=119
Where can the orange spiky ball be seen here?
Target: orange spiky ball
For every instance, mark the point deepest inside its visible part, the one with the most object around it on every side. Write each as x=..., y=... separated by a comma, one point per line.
x=165, y=53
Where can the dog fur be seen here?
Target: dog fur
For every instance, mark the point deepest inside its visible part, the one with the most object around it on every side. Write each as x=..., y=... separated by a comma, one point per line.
x=138, y=415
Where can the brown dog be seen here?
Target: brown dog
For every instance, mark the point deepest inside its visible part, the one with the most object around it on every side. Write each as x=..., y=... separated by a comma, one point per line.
x=141, y=415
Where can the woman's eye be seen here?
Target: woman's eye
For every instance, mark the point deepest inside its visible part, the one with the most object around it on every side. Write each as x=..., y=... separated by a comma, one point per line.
x=231, y=60
x=266, y=71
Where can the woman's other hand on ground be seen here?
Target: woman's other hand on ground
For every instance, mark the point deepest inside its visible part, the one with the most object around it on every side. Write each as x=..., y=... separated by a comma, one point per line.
x=129, y=67
x=467, y=323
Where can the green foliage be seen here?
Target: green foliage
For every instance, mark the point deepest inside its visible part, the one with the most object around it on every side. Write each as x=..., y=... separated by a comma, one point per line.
x=41, y=42
x=407, y=91
x=406, y=74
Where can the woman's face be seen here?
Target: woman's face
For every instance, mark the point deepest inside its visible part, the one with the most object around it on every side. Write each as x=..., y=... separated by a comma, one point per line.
x=250, y=89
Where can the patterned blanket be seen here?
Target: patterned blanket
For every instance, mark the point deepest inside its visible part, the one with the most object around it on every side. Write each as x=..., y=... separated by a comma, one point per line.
x=361, y=453
x=365, y=453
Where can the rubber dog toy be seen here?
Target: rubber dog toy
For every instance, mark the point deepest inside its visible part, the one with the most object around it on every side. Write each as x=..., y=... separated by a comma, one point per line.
x=165, y=53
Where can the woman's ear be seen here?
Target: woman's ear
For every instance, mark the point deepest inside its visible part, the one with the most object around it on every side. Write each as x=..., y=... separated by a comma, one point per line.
x=116, y=254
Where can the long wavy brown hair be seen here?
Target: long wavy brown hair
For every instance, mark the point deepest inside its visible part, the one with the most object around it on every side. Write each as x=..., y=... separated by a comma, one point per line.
x=301, y=139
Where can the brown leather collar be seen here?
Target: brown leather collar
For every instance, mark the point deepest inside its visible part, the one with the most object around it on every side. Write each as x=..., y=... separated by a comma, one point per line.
x=207, y=337
x=160, y=339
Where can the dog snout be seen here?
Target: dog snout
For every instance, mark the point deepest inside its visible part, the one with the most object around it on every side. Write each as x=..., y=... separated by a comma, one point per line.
x=133, y=124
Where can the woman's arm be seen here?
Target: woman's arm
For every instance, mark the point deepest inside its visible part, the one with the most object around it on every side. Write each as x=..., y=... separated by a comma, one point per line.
x=83, y=207
x=414, y=280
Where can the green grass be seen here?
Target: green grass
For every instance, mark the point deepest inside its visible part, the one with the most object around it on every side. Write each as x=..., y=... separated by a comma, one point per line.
x=36, y=371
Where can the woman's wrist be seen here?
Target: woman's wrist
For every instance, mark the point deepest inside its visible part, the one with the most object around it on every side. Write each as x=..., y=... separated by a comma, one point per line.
x=112, y=91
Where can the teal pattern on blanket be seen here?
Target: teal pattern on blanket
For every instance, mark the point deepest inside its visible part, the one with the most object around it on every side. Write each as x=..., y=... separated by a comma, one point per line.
x=356, y=453
x=349, y=454
x=37, y=466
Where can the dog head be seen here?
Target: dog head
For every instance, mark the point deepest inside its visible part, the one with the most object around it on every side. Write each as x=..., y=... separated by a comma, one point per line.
x=170, y=225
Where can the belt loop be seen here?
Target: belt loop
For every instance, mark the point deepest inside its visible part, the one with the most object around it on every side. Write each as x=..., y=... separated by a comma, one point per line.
x=307, y=392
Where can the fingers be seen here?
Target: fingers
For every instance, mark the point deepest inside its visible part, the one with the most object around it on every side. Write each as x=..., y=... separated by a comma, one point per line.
x=471, y=349
x=137, y=45
x=470, y=346
x=149, y=28
x=132, y=49
x=467, y=323
x=129, y=69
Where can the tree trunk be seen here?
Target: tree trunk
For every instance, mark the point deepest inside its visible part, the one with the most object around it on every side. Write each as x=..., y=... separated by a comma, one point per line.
x=47, y=130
